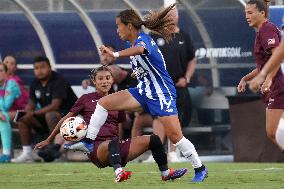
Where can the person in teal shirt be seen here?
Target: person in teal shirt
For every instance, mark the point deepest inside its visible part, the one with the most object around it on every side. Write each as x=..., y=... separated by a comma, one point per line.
x=9, y=92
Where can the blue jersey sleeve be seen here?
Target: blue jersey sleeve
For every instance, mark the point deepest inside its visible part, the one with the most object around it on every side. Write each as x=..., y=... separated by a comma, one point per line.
x=12, y=92
x=144, y=41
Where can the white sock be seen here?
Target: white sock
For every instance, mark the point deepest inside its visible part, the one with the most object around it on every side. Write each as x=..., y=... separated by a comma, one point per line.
x=118, y=170
x=188, y=150
x=98, y=118
x=165, y=173
x=279, y=135
x=27, y=149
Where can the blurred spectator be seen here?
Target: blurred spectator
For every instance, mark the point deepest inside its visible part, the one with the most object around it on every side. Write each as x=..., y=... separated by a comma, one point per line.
x=179, y=55
x=9, y=92
x=22, y=100
x=50, y=97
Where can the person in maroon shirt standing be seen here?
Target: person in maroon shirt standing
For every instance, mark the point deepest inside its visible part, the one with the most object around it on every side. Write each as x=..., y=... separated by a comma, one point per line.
x=107, y=150
x=267, y=39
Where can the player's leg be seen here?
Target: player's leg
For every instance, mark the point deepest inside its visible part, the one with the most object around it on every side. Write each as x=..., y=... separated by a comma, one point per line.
x=173, y=132
x=109, y=153
x=279, y=136
x=140, y=121
x=6, y=139
x=273, y=117
x=140, y=144
x=122, y=100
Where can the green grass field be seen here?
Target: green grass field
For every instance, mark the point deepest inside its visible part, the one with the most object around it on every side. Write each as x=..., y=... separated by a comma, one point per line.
x=85, y=175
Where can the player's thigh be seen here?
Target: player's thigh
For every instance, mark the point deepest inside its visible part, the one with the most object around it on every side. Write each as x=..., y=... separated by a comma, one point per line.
x=138, y=146
x=121, y=100
x=172, y=127
x=103, y=152
x=272, y=120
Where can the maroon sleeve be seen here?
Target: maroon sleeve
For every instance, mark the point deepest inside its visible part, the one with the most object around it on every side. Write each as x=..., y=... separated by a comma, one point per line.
x=121, y=116
x=78, y=106
x=269, y=37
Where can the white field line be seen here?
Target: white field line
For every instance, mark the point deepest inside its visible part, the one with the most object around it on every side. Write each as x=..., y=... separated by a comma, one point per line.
x=251, y=170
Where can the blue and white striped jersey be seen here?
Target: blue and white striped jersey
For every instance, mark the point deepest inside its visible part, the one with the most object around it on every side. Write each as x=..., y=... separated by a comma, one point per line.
x=154, y=81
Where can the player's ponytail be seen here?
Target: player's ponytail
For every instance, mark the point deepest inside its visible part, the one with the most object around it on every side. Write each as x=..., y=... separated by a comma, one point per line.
x=159, y=22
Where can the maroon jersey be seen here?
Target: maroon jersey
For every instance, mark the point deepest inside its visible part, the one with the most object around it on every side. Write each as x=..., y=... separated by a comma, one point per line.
x=86, y=106
x=268, y=37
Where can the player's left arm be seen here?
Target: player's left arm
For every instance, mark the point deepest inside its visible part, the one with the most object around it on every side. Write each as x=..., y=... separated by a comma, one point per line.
x=55, y=131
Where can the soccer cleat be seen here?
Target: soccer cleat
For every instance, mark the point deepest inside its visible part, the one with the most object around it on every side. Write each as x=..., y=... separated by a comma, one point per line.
x=5, y=158
x=23, y=158
x=122, y=176
x=83, y=146
x=200, y=175
x=174, y=174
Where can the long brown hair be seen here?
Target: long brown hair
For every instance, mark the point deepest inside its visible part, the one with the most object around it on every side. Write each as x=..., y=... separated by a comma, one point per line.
x=159, y=22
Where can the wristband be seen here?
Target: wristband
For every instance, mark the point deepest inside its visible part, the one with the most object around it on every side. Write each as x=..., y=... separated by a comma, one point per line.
x=115, y=54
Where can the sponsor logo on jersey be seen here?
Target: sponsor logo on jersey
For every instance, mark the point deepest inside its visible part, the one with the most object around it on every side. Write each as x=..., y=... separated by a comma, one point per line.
x=271, y=41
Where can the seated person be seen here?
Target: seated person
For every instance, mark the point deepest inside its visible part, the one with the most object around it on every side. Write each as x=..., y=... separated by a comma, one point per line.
x=50, y=97
x=107, y=149
x=9, y=92
x=22, y=100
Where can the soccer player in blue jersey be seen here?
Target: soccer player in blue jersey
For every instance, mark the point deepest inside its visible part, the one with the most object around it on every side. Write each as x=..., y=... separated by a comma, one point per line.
x=155, y=92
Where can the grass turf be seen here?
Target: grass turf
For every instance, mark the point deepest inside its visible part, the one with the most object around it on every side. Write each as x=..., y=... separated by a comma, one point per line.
x=85, y=175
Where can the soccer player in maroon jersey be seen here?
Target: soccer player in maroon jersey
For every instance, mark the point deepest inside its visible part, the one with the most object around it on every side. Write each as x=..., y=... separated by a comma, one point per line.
x=107, y=149
x=255, y=84
x=267, y=39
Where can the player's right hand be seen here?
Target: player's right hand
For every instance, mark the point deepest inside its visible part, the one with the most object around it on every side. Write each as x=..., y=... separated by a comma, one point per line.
x=106, y=50
x=242, y=86
x=41, y=144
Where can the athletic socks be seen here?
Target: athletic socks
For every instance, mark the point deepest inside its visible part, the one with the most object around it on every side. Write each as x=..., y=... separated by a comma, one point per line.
x=98, y=118
x=279, y=135
x=188, y=150
x=159, y=153
x=114, y=155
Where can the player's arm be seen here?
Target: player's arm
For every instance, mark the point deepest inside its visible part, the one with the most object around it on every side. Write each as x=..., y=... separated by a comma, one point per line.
x=250, y=75
x=54, y=132
x=275, y=60
x=242, y=84
x=132, y=51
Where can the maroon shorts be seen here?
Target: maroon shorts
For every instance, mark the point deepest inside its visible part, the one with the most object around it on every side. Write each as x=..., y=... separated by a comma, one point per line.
x=124, y=146
x=274, y=101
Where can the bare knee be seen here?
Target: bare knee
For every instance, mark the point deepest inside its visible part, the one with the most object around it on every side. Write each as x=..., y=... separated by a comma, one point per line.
x=175, y=137
x=270, y=134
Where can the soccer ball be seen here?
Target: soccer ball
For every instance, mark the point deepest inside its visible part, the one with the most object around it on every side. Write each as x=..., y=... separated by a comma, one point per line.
x=73, y=129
